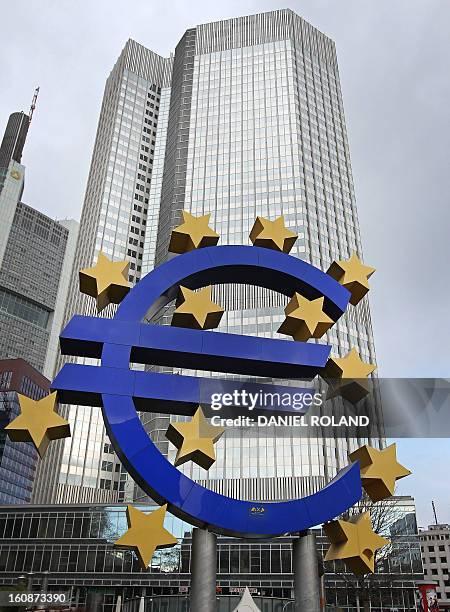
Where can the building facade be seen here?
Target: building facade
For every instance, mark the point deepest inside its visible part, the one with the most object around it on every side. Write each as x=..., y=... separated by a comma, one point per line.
x=74, y=544
x=35, y=254
x=18, y=460
x=13, y=141
x=29, y=281
x=118, y=209
x=247, y=120
x=256, y=127
x=435, y=547
x=12, y=173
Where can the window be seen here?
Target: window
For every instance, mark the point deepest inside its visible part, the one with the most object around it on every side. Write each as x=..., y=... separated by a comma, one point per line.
x=24, y=309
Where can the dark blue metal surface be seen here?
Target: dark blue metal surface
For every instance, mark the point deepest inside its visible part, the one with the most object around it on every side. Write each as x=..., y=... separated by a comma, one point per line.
x=195, y=349
x=232, y=264
x=165, y=393
x=120, y=391
x=204, y=508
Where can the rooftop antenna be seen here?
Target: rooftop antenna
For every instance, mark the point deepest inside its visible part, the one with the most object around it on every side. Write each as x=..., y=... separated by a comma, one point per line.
x=33, y=103
x=434, y=512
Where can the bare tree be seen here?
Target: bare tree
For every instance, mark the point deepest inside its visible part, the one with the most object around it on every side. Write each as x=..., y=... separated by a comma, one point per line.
x=383, y=514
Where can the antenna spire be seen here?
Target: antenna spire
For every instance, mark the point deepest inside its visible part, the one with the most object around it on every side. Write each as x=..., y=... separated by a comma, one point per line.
x=434, y=512
x=33, y=103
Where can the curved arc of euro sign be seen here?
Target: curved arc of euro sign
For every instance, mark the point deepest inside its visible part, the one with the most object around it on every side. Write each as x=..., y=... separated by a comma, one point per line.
x=232, y=264
x=148, y=467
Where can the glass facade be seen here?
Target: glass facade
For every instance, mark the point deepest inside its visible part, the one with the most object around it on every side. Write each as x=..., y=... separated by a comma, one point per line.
x=19, y=306
x=156, y=183
x=114, y=220
x=261, y=132
x=246, y=119
x=34, y=256
x=18, y=460
x=75, y=545
x=30, y=272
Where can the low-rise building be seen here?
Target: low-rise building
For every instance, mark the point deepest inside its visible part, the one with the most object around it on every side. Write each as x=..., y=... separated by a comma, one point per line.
x=435, y=548
x=71, y=547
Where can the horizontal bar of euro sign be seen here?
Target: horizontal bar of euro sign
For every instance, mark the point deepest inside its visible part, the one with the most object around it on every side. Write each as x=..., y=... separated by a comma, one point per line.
x=194, y=349
x=178, y=394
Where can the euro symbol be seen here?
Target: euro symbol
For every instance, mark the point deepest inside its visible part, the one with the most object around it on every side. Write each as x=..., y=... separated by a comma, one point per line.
x=121, y=392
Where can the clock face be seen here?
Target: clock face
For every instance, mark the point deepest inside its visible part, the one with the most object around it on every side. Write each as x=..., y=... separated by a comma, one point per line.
x=15, y=174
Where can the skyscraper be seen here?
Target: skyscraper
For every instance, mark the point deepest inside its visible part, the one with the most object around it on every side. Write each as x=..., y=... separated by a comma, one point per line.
x=247, y=120
x=35, y=254
x=118, y=212
x=256, y=128
x=13, y=142
x=14, y=139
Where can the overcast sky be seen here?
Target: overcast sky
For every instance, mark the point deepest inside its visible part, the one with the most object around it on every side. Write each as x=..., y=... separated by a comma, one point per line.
x=394, y=60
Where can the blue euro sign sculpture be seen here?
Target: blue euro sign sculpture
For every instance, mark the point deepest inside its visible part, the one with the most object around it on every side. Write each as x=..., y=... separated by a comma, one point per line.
x=121, y=392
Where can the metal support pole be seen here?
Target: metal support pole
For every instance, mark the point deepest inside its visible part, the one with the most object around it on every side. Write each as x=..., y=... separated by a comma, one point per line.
x=44, y=584
x=30, y=577
x=93, y=601
x=203, y=571
x=44, y=587
x=306, y=573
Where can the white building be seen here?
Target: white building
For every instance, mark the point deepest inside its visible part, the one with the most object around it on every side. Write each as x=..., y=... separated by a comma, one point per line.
x=435, y=549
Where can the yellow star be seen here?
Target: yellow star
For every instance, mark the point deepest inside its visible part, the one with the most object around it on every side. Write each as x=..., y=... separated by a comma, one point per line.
x=195, y=309
x=193, y=233
x=353, y=275
x=145, y=534
x=195, y=440
x=305, y=318
x=272, y=234
x=107, y=281
x=38, y=423
x=379, y=470
x=348, y=376
x=354, y=542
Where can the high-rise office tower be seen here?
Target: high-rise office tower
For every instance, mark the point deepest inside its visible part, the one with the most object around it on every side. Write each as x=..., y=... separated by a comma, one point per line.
x=247, y=119
x=13, y=141
x=14, y=138
x=256, y=128
x=36, y=253
x=119, y=211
